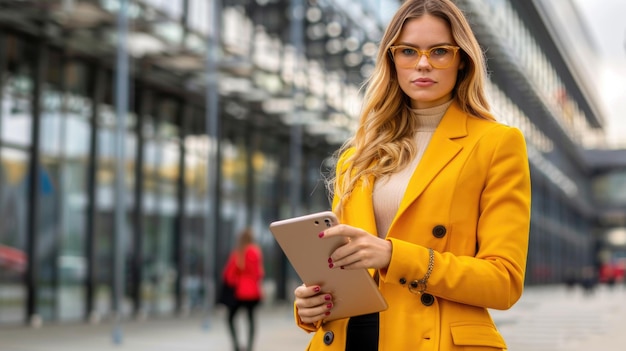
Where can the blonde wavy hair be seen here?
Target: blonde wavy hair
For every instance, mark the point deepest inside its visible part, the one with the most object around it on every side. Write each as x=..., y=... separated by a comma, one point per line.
x=383, y=141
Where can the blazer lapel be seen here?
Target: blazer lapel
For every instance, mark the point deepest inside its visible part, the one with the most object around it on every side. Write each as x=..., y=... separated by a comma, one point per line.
x=440, y=151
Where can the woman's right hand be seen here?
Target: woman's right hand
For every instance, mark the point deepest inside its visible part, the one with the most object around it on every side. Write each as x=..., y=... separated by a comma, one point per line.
x=312, y=304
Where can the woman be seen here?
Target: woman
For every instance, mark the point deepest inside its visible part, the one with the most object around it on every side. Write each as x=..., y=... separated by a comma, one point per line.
x=433, y=194
x=244, y=270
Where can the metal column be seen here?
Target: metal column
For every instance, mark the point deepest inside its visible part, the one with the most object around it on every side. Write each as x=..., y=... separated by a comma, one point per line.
x=212, y=220
x=121, y=107
x=295, y=144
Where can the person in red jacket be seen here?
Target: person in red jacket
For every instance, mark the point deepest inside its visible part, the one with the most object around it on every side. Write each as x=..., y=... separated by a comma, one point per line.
x=244, y=271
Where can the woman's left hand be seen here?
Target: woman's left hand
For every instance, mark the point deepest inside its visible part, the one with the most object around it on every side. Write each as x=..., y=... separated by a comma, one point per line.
x=363, y=250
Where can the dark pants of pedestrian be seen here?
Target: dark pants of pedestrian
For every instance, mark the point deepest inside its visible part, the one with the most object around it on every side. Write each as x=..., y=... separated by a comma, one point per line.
x=250, y=307
x=362, y=333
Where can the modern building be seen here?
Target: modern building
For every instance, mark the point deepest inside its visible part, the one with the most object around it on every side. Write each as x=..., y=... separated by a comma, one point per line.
x=137, y=138
x=600, y=160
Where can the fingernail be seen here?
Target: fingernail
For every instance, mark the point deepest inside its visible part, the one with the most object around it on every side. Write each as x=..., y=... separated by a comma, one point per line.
x=327, y=313
x=330, y=265
x=327, y=297
x=341, y=267
x=330, y=260
x=316, y=289
x=321, y=234
x=330, y=305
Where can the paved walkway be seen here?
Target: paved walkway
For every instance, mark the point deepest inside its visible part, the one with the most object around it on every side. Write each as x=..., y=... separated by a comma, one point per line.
x=275, y=332
x=555, y=319
x=546, y=319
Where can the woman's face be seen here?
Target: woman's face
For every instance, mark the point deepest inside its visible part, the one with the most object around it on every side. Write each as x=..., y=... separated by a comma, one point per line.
x=426, y=85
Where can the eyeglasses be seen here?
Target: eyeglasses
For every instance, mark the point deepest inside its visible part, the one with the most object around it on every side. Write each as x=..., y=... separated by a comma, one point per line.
x=440, y=57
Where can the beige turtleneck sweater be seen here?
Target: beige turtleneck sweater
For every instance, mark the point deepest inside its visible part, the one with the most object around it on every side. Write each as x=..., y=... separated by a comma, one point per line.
x=389, y=190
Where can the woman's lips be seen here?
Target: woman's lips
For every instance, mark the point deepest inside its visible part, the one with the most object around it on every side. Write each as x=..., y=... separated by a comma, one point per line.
x=423, y=82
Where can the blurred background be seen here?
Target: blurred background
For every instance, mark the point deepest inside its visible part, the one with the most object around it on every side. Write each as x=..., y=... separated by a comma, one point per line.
x=137, y=137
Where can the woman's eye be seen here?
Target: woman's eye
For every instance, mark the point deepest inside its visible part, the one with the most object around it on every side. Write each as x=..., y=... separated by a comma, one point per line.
x=408, y=51
x=438, y=51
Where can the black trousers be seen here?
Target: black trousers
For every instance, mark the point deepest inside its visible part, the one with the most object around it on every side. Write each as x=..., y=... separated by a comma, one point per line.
x=363, y=333
x=250, y=307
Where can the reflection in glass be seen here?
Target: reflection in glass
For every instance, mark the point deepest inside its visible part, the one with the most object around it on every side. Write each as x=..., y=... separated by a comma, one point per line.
x=160, y=207
x=15, y=125
x=105, y=205
x=62, y=198
x=13, y=259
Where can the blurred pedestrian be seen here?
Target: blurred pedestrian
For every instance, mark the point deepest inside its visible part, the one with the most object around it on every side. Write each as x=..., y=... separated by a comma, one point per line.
x=571, y=279
x=432, y=193
x=589, y=280
x=244, y=272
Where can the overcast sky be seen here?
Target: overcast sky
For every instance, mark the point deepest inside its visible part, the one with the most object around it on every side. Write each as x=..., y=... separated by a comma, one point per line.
x=606, y=19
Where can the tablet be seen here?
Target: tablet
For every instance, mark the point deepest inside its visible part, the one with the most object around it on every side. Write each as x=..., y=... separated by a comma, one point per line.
x=354, y=291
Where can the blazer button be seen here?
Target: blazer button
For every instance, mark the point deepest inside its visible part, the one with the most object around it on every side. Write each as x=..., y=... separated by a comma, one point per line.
x=329, y=337
x=439, y=231
x=427, y=299
x=402, y=281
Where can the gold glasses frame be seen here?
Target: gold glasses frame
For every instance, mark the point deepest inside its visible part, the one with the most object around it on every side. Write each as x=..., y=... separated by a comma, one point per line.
x=418, y=55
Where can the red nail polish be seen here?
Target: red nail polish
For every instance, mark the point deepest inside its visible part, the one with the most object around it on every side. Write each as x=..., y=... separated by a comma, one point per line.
x=327, y=313
x=330, y=265
x=330, y=260
x=316, y=289
x=330, y=305
x=321, y=234
x=327, y=297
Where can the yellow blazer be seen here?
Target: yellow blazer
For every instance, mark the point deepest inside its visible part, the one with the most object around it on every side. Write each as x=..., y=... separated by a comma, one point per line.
x=468, y=200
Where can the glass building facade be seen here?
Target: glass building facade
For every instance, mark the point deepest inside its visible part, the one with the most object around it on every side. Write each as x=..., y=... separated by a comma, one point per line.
x=225, y=123
x=231, y=114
